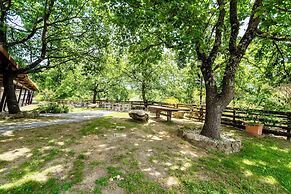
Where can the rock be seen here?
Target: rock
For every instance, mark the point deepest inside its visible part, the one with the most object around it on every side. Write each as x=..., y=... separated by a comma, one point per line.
x=24, y=114
x=139, y=115
x=92, y=105
x=225, y=144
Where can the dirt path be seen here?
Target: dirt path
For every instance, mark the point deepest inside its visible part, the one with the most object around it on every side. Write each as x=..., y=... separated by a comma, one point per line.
x=64, y=118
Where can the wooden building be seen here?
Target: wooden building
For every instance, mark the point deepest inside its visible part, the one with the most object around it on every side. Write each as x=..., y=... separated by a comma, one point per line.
x=24, y=87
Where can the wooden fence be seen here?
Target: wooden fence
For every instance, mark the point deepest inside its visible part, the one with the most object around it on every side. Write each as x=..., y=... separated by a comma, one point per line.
x=275, y=122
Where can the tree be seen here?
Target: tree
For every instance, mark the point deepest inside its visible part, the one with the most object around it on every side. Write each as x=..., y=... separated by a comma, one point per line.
x=211, y=30
x=143, y=67
x=38, y=34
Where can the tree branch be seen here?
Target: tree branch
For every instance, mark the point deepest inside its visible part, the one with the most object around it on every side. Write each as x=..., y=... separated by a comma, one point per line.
x=47, y=12
x=266, y=35
x=234, y=24
x=251, y=29
x=218, y=32
x=29, y=36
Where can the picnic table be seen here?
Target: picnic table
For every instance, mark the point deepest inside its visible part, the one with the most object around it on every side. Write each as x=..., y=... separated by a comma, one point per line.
x=168, y=110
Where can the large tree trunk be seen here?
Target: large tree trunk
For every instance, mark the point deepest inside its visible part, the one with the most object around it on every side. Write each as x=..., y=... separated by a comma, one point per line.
x=94, y=96
x=9, y=90
x=211, y=127
x=217, y=102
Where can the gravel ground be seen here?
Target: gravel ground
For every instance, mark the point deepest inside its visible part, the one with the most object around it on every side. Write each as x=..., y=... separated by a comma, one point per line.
x=64, y=118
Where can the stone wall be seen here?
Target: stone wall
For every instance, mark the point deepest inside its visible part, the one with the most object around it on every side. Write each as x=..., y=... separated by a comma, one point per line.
x=226, y=144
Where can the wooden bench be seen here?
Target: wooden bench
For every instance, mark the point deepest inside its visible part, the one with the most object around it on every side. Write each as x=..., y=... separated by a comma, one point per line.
x=159, y=109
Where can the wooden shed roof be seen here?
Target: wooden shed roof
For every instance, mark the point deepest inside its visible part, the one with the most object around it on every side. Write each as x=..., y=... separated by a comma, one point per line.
x=22, y=80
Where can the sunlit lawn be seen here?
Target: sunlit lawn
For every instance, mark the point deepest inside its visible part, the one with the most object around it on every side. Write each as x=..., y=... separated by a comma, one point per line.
x=115, y=154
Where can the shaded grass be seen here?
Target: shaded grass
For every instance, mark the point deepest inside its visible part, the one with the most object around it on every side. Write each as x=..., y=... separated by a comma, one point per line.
x=131, y=182
x=52, y=185
x=35, y=163
x=3, y=163
x=100, y=125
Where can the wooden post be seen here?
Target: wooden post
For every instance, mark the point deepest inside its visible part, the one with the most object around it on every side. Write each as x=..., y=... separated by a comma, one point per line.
x=5, y=103
x=24, y=96
x=28, y=97
x=31, y=97
x=233, y=113
x=169, y=115
x=158, y=113
x=19, y=96
x=2, y=101
x=289, y=124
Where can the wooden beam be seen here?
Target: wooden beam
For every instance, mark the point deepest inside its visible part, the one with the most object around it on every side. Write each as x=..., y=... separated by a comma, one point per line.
x=23, y=99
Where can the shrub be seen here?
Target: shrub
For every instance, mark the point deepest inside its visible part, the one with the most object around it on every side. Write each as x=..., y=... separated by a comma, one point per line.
x=171, y=100
x=53, y=108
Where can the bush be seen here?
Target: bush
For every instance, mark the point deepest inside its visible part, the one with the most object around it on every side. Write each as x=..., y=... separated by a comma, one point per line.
x=53, y=108
x=171, y=100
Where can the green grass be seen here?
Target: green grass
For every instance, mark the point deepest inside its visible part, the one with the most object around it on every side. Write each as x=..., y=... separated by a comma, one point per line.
x=262, y=166
x=102, y=124
x=136, y=182
x=3, y=163
x=36, y=162
x=131, y=182
x=76, y=174
x=52, y=185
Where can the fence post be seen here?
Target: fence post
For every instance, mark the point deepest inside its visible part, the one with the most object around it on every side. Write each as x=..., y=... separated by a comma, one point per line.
x=289, y=124
x=233, y=117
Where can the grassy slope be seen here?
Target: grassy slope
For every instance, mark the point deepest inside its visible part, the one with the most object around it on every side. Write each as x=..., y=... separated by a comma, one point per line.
x=262, y=166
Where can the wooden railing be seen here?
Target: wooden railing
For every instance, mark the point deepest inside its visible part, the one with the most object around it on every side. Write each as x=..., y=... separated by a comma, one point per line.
x=275, y=122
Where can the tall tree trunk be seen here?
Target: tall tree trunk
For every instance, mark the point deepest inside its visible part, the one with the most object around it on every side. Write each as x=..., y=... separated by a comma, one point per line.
x=9, y=90
x=143, y=94
x=94, y=96
x=211, y=127
x=200, y=98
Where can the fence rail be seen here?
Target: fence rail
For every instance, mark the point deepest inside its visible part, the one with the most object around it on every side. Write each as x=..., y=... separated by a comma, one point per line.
x=275, y=122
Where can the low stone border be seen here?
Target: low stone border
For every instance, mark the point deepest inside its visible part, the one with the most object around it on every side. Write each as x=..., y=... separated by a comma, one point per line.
x=23, y=114
x=225, y=144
